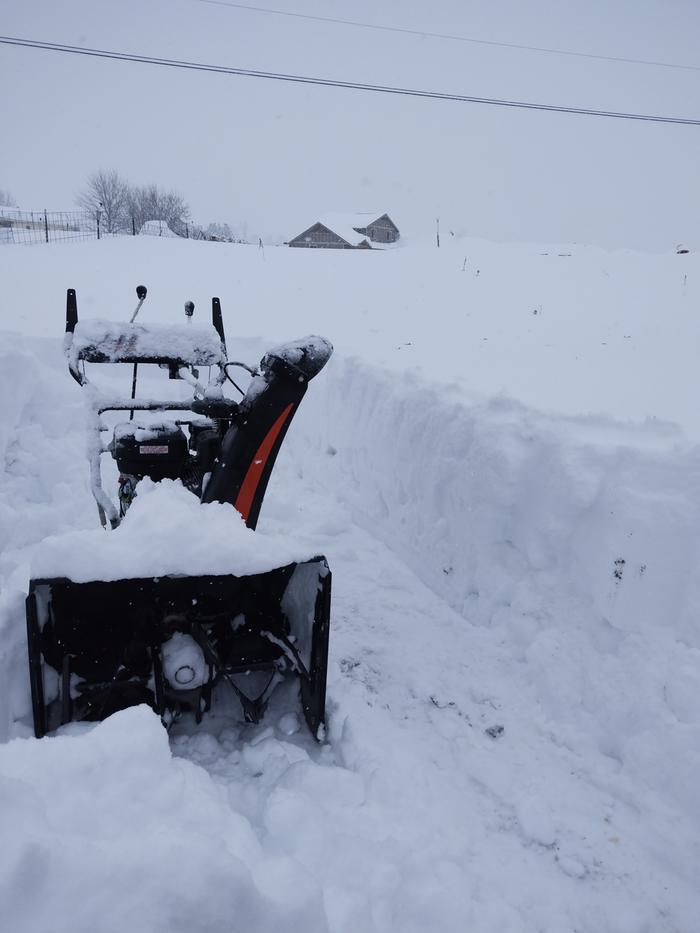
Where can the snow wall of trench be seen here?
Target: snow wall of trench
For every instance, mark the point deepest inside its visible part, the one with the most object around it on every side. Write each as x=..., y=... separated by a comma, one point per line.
x=575, y=541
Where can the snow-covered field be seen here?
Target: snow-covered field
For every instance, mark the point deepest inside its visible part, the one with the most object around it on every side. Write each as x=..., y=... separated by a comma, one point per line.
x=500, y=463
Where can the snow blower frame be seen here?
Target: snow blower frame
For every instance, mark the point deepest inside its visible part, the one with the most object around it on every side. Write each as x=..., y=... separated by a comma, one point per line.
x=177, y=643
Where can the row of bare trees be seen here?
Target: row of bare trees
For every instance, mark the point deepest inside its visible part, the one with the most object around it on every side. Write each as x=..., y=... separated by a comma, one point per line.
x=124, y=207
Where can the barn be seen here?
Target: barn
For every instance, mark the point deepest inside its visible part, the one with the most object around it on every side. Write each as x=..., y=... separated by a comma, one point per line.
x=348, y=231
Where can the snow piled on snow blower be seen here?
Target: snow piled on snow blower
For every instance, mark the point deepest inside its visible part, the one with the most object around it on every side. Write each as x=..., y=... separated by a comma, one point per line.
x=178, y=630
x=115, y=342
x=167, y=531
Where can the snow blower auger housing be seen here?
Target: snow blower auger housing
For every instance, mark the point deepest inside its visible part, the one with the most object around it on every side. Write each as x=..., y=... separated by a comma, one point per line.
x=183, y=644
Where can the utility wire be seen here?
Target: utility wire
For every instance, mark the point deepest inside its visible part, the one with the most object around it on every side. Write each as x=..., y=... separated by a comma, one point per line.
x=330, y=82
x=442, y=35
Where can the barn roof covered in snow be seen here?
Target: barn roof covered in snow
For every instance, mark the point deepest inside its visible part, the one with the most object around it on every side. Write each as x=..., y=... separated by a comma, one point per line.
x=345, y=226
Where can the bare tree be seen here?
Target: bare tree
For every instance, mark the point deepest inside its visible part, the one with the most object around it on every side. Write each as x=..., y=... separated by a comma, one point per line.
x=123, y=206
x=106, y=192
x=6, y=199
x=152, y=203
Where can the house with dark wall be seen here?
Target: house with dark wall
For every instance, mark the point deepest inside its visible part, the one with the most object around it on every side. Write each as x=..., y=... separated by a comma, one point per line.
x=348, y=231
x=381, y=230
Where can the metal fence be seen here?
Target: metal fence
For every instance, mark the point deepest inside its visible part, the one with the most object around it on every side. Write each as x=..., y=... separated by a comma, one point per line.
x=50, y=226
x=47, y=226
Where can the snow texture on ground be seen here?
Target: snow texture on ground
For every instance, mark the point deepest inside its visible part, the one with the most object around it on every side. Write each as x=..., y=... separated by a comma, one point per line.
x=514, y=733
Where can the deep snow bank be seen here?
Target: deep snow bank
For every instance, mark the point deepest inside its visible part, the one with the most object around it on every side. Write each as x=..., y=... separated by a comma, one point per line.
x=42, y=489
x=576, y=542
x=147, y=842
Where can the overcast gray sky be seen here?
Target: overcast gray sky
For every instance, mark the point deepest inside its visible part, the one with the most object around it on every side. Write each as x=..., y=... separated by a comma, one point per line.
x=276, y=155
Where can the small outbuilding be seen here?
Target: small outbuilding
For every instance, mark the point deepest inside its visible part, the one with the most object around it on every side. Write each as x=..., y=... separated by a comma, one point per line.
x=348, y=231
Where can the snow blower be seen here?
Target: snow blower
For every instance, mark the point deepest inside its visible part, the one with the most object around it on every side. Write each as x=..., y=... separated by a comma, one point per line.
x=176, y=642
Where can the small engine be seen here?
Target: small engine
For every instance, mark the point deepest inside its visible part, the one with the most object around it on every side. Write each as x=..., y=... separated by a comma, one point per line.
x=155, y=450
x=162, y=451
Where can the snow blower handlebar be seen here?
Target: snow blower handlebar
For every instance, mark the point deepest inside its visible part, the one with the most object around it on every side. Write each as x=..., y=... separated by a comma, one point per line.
x=106, y=342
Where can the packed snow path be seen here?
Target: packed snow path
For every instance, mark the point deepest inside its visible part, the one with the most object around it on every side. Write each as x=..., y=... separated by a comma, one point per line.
x=513, y=729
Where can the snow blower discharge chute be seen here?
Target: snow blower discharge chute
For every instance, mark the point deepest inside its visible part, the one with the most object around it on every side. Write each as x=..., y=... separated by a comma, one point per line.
x=177, y=643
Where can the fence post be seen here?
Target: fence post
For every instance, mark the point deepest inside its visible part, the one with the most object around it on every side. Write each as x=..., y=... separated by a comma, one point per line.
x=187, y=231
x=98, y=225
x=46, y=226
x=133, y=226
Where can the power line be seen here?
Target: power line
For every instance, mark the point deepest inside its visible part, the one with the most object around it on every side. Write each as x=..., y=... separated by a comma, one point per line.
x=330, y=82
x=443, y=35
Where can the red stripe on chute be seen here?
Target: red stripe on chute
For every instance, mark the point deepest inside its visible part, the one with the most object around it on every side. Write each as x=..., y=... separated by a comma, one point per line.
x=249, y=486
